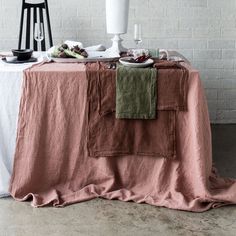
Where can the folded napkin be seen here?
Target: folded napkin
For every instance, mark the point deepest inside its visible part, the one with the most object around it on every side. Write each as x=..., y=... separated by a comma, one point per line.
x=172, y=85
x=111, y=137
x=98, y=47
x=136, y=93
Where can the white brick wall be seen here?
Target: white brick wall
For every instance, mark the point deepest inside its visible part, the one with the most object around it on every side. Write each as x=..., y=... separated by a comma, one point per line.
x=203, y=30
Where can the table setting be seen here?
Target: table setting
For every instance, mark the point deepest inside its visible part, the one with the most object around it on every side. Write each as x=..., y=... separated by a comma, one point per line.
x=78, y=123
x=73, y=138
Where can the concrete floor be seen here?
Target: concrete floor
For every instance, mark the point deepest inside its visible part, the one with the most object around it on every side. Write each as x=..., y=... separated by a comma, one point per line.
x=111, y=218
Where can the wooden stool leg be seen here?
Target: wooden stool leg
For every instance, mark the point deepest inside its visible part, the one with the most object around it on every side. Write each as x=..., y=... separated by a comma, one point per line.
x=43, y=47
x=35, y=21
x=48, y=23
x=27, y=42
x=21, y=25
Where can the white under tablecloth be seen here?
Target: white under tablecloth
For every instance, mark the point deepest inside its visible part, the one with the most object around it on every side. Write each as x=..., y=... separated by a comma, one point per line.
x=10, y=88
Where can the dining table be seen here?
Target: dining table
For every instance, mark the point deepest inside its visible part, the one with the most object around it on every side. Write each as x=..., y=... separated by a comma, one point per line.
x=49, y=141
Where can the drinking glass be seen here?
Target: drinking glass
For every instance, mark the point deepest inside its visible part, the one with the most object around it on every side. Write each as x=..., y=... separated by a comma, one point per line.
x=137, y=34
x=38, y=32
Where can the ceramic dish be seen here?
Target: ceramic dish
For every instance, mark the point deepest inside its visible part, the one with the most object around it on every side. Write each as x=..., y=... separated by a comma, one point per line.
x=22, y=54
x=11, y=58
x=75, y=60
x=125, y=61
x=16, y=61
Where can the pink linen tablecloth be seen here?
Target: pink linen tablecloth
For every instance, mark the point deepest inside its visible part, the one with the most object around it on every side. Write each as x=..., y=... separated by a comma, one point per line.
x=52, y=166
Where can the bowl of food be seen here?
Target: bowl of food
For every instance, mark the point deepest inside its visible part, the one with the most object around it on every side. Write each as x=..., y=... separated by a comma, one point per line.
x=22, y=54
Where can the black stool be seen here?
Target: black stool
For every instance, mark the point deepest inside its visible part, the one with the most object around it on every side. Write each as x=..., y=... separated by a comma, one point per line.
x=34, y=7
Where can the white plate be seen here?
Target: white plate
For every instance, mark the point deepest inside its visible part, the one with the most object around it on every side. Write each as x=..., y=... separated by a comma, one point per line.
x=136, y=65
x=75, y=60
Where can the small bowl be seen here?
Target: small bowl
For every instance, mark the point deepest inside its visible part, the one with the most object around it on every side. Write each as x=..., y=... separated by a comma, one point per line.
x=11, y=58
x=22, y=54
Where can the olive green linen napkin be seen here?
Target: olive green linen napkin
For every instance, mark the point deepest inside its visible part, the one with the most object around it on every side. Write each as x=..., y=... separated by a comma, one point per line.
x=136, y=93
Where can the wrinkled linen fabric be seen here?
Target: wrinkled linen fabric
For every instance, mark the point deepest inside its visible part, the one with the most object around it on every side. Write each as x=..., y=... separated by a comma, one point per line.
x=10, y=82
x=52, y=167
x=172, y=85
x=125, y=136
x=136, y=93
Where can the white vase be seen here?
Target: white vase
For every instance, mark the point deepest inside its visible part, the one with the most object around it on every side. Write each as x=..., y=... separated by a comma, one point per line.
x=117, y=14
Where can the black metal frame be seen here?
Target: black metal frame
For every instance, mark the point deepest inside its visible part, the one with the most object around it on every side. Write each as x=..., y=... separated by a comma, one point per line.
x=28, y=6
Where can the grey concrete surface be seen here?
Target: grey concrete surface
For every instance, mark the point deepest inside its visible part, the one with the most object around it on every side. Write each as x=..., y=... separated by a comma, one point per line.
x=111, y=218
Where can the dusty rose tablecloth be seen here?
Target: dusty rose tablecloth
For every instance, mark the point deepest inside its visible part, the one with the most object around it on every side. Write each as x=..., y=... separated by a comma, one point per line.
x=52, y=166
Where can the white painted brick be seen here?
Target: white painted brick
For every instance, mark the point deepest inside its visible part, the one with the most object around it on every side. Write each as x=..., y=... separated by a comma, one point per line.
x=212, y=104
x=56, y=23
x=204, y=13
x=172, y=12
x=232, y=104
x=207, y=54
x=192, y=44
x=213, y=116
x=76, y=23
x=223, y=104
x=145, y=11
x=226, y=116
x=228, y=64
x=160, y=23
x=210, y=74
x=229, y=33
x=214, y=32
x=10, y=3
x=166, y=3
x=56, y=12
x=69, y=33
x=227, y=94
x=188, y=53
x=221, y=43
x=229, y=23
x=228, y=13
x=193, y=23
x=193, y=13
x=98, y=23
x=193, y=3
x=9, y=43
x=179, y=33
x=211, y=94
x=228, y=74
x=214, y=64
x=212, y=84
x=199, y=64
x=69, y=11
x=229, y=54
x=165, y=43
x=226, y=83
x=170, y=33
x=219, y=64
x=221, y=4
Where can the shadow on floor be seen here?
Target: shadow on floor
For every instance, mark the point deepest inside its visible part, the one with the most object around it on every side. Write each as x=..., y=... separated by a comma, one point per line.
x=224, y=149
